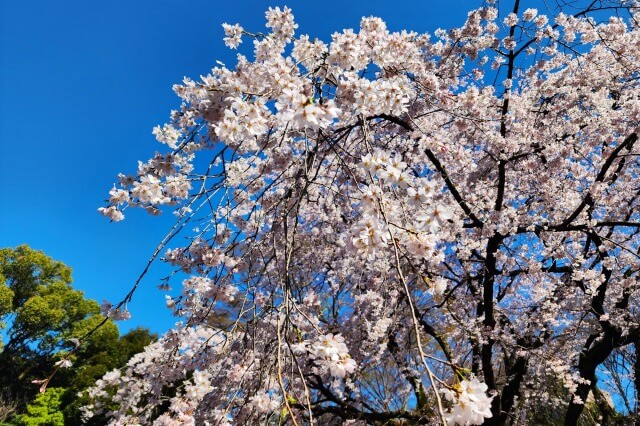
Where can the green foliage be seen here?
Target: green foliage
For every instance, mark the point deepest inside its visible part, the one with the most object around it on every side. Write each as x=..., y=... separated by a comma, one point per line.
x=64, y=404
x=41, y=314
x=44, y=410
x=44, y=312
x=6, y=301
x=113, y=353
x=25, y=269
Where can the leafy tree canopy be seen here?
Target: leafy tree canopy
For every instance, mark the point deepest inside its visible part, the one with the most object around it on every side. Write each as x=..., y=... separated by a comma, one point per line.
x=43, y=317
x=45, y=410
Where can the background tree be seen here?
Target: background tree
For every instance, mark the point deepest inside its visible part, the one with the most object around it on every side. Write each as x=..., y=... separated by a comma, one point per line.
x=44, y=410
x=402, y=227
x=63, y=404
x=98, y=358
x=43, y=316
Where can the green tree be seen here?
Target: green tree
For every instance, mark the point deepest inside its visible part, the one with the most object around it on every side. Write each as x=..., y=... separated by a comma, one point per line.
x=64, y=403
x=41, y=313
x=42, y=317
x=100, y=358
x=44, y=410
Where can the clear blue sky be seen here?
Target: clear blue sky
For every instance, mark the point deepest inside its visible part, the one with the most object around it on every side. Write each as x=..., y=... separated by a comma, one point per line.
x=82, y=85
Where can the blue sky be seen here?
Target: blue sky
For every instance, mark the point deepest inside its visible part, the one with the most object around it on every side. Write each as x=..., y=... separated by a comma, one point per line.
x=82, y=84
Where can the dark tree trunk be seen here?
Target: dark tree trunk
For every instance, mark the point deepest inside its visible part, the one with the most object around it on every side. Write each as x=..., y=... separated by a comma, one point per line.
x=595, y=353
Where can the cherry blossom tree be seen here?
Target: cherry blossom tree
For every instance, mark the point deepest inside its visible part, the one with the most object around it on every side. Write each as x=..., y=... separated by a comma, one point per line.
x=396, y=228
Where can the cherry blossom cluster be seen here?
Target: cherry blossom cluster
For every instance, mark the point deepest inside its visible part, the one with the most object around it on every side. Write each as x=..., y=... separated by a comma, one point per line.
x=393, y=226
x=330, y=353
x=471, y=405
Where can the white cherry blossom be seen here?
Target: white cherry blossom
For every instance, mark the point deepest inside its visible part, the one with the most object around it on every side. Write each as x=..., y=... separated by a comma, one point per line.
x=386, y=212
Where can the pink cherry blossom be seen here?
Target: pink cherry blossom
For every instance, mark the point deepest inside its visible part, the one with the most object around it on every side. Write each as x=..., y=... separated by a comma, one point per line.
x=393, y=226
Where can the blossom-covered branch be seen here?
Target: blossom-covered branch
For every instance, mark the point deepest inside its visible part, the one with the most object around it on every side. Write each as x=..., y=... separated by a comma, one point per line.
x=393, y=225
